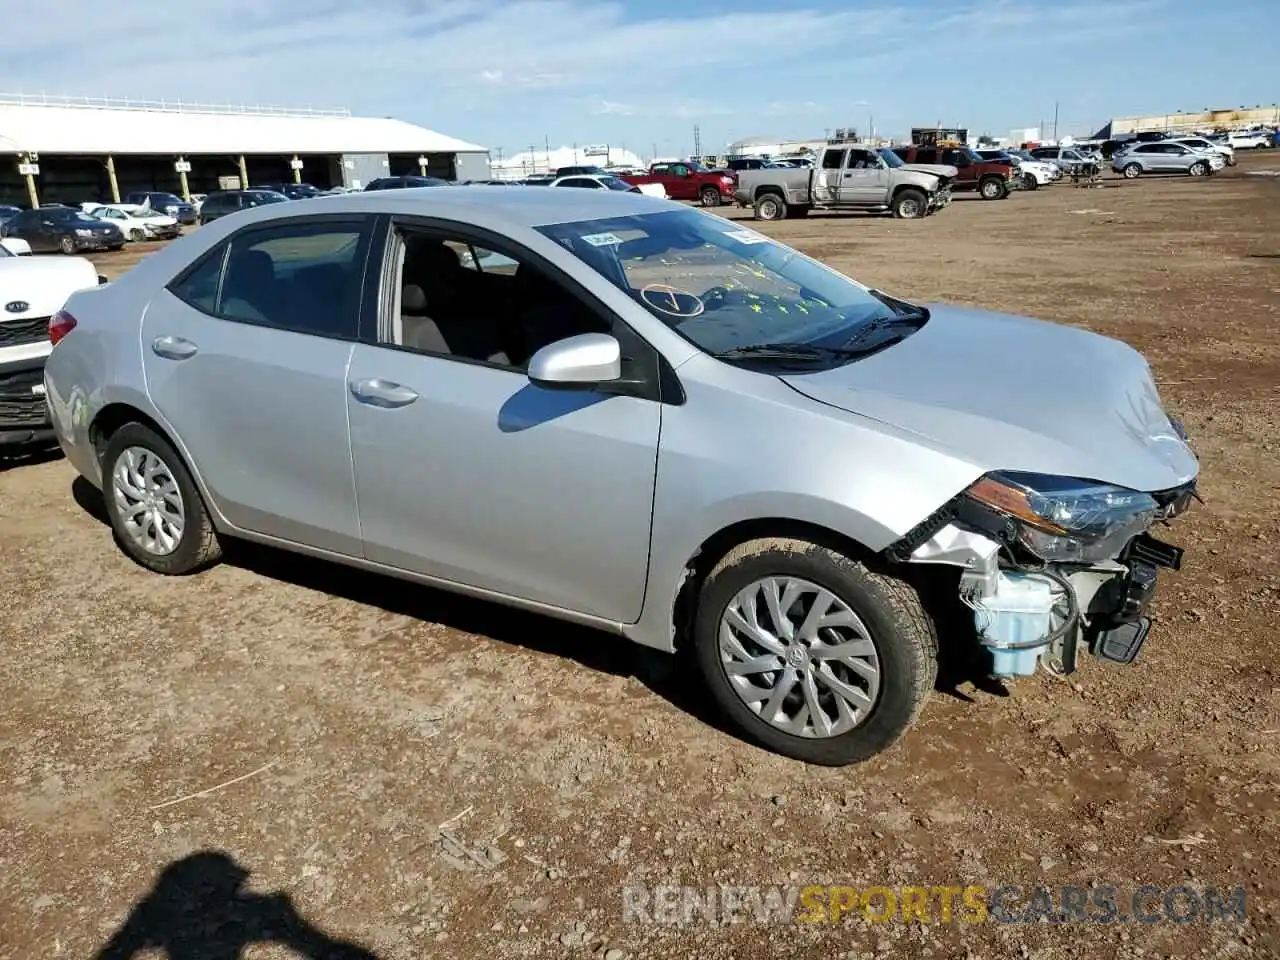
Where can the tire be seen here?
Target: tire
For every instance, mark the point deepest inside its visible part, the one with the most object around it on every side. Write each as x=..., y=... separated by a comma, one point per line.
x=1198, y=169
x=1029, y=182
x=67, y=246
x=137, y=235
x=992, y=189
x=910, y=204
x=770, y=206
x=1132, y=171
x=710, y=197
x=183, y=551
x=798, y=212
x=881, y=613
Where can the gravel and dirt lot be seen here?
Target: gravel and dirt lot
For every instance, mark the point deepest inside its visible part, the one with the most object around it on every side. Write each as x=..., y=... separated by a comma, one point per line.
x=343, y=718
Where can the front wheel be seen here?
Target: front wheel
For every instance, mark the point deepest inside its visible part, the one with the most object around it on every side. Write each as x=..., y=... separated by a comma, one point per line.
x=811, y=653
x=770, y=207
x=710, y=197
x=910, y=205
x=1029, y=182
x=156, y=512
x=67, y=245
x=137, y=235
x=992, y=189
x=1199, y=169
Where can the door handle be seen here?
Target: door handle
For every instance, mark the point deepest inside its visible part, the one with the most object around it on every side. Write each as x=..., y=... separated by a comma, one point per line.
x=382, y=393
x=173, y=348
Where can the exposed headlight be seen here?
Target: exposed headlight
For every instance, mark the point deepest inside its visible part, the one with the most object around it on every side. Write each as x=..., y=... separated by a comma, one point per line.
x=1066, y=520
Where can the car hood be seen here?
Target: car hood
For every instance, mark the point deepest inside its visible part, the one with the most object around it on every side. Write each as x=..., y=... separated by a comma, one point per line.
x=43, y=283
x=1012, y=393
x=937, y=169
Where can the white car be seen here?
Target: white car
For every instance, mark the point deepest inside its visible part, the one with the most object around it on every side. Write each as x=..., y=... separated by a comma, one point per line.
x=32, y=290
x=1249, y=140
x=1224, y=150
x=599, y=181
x=135, y=222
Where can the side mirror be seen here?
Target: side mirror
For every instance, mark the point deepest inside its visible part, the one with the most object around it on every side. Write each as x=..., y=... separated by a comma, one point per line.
x=576, y=362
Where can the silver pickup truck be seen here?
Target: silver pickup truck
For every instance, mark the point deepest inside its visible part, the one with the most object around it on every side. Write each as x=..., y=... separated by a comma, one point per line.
x=848, y=177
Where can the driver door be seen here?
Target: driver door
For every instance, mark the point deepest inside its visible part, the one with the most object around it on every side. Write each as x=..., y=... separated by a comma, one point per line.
x=826, y=178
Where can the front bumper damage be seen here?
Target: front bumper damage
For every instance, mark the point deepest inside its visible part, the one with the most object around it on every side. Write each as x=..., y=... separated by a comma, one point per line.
x=1101, y=608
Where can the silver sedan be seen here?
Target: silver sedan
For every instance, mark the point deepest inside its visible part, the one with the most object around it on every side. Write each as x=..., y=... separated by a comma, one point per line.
x=623, y=412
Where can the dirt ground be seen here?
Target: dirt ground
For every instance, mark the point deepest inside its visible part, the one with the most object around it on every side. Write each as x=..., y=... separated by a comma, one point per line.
x=362, y=713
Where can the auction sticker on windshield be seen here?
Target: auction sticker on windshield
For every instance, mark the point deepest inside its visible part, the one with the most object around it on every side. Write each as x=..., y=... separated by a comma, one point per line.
x=746, y=236
x=603, y=239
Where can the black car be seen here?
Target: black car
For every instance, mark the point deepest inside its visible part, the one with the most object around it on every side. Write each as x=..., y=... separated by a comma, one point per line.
x=294, y=191
x=166, y=203
x=223, y=202
x=587, y=171
x=401, y=183
x=60, y=228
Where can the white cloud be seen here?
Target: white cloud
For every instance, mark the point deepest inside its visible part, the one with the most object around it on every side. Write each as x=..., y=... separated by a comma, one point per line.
x=526, y=62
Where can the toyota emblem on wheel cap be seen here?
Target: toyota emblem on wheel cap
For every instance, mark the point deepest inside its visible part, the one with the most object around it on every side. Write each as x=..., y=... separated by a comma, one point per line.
x=17, y=306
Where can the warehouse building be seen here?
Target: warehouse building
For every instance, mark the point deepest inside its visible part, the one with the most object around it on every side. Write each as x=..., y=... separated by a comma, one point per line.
x=1185, y=121
x=68, y=150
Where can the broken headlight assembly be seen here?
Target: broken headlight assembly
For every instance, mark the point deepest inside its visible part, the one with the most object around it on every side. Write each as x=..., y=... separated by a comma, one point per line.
x=1062, y=519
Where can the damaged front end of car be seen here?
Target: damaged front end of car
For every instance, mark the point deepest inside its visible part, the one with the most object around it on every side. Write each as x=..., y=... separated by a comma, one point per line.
x=1052, y=565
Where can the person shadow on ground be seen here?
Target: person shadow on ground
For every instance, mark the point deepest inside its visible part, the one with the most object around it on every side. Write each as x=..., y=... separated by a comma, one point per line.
x=199, y=910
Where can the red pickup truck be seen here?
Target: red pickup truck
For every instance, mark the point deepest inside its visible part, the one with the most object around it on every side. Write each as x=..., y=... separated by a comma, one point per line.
x=687, y=180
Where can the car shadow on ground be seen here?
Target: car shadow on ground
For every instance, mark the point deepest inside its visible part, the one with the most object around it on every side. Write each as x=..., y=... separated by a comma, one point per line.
x=674, y=678
x=198, y=909
x=28, y=457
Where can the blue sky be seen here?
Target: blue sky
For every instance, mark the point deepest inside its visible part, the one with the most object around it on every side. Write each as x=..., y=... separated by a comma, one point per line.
x=509, y=75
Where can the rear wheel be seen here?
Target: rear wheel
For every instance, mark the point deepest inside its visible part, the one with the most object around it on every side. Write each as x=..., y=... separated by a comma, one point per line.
x=910, y=205
x=812, y=654
x=156, y=512
x=1132, y=171
x=710, y=197
x=770, y=206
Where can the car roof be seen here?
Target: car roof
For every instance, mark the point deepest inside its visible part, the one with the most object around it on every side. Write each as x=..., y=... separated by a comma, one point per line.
x=511, y=208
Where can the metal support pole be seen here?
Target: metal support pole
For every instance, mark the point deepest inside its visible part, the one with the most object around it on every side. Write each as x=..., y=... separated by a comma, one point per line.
x=186, y=189
x=244, y=174
x=31, y=191
x=111, y=176
x=297, y=170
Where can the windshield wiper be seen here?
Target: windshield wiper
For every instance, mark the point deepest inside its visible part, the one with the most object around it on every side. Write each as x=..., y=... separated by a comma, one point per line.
x=915, y=319
x=777, y=351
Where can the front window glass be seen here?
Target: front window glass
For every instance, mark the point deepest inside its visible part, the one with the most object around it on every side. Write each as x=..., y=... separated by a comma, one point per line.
x=720, y=286
x=891, y=158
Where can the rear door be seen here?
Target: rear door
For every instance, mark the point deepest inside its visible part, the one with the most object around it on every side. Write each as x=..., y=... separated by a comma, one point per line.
x=245, y=355
x=826, y=177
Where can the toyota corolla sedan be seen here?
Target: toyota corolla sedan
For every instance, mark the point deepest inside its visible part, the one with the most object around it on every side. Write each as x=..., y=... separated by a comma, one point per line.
x=623, y=412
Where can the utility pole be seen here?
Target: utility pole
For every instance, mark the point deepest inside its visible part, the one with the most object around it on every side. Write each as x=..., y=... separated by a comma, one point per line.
x=697, y=141
x=533, y=159
x=1055, y=121
x=546, y=142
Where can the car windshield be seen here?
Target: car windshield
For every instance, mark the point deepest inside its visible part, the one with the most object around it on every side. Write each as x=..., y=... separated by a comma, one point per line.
x=722, y=287
x=890, y=158
x=613, y=183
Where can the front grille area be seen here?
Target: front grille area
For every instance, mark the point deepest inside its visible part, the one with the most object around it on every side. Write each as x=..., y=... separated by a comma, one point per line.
x=14, y=333
x=19, y=407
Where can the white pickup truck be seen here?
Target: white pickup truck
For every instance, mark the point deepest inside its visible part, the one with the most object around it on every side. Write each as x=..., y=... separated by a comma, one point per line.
x=848, y=176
